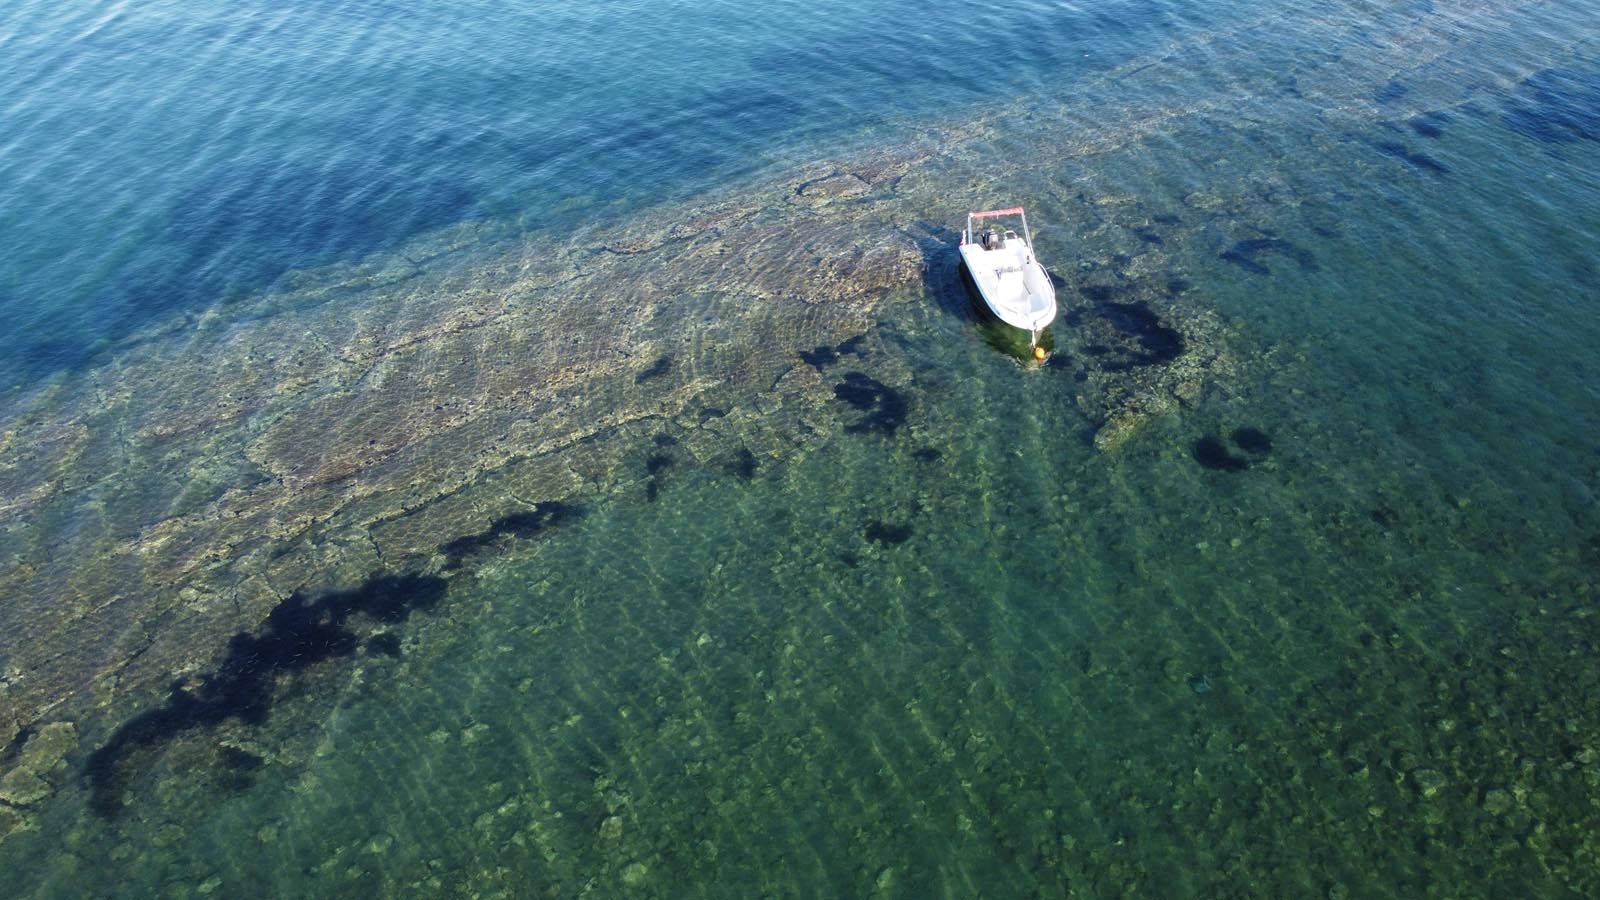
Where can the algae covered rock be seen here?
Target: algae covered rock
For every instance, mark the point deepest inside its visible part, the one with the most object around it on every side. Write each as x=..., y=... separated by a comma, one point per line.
x=25, y=784
x=11, y=822
x=833, y=187
x=635, y=874
x=23, y=788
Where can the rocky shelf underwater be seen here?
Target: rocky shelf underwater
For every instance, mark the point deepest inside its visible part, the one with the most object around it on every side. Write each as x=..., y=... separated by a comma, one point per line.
x=385, y=422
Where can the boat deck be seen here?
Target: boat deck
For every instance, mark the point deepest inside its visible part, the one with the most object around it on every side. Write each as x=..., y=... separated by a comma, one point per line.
x=1013, y=284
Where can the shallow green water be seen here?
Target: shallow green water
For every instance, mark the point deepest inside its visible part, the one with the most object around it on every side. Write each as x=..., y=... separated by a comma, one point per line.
x=1360, y=667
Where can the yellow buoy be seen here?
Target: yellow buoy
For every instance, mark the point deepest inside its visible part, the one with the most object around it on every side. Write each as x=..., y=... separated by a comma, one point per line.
x=1038, y=353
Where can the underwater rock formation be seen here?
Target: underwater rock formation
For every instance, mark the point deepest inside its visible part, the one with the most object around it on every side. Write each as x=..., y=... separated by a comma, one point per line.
x=1133, y=348
x=885, y=407
x=841, y=185
x=1211, y=452
x=1253, y=441
x=1422, y=162
x=888, y=534
x=158, y=506
x=742, y=464
x=298, y=634
x=824, y=356
x=655, y=467
x=520, y=525
x=1555, y=106
x=1245, y=254
x=369, y=408
x=1429, y=125
x=35, y=763
x=1130, y=334
x=657, y=369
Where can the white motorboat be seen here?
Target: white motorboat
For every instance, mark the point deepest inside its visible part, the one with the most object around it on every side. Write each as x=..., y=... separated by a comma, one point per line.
x=1012, y=282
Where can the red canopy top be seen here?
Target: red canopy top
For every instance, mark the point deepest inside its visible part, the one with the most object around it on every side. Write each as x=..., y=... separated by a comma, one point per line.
x=1015, y=210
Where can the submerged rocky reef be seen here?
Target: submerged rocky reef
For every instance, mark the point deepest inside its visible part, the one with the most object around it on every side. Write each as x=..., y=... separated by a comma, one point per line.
x=403, y=416
x=412, y=414
x=314, y=542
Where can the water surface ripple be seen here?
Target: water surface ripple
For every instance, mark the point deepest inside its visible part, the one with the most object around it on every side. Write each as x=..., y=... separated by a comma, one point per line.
x=549, y=449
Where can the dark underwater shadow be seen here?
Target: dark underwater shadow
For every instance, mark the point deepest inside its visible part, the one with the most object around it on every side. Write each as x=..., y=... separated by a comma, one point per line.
x=1555, y=106
x=301, y=632
x=237, y=233
x=942, y=271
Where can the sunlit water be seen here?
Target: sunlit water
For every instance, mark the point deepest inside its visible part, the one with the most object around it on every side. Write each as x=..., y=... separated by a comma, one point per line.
x=1325, y=629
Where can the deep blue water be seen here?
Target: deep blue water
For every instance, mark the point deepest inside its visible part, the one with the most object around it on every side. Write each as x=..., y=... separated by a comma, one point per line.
x=160, y=158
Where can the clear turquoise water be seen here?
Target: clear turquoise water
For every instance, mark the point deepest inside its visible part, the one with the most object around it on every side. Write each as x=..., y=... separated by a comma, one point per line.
x=166, y=158
x=973, y=657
